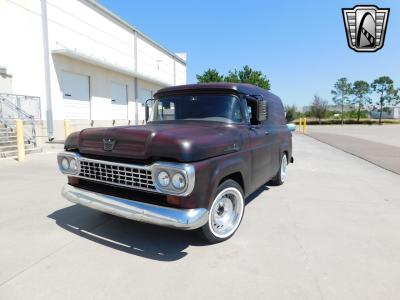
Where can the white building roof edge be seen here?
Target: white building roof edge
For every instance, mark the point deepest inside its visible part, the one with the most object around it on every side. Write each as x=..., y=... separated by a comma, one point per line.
x=120, y=20
x=108, y=65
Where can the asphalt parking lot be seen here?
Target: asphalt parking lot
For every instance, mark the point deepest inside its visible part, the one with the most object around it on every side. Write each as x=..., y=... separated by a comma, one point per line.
x=379, y=145
x=384, y=134
x=330, y=232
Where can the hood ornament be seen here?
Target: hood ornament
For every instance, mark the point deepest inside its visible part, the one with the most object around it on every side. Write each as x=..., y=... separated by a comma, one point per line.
x=108, y=144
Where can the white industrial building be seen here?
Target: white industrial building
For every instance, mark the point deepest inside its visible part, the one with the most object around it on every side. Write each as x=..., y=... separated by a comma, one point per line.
x=391, y=112
x=85, y=64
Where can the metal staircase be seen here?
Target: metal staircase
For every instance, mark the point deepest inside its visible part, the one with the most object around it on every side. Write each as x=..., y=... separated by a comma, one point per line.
x=9, y=113
x=8, y=143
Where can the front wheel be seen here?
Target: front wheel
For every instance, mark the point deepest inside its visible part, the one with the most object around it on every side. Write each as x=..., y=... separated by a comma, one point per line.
x=225, y=214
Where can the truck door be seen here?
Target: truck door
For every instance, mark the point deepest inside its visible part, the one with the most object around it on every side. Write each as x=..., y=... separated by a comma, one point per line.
x=261, y=148
x=261, y=155
x=274, y=140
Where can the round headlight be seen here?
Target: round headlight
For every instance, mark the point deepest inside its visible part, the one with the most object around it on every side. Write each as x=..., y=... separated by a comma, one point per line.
x=163, y=178
x=65, y=163
x=178, y=181
x=73, y=165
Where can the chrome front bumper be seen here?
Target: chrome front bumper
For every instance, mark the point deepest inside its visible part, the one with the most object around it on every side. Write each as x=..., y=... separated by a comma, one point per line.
x=143, y=212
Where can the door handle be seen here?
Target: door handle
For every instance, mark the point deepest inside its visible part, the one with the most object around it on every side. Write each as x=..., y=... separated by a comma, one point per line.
x=266, y=132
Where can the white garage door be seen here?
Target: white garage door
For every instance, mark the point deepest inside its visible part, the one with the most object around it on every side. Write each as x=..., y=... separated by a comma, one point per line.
x=75, y=89
x=119, y=101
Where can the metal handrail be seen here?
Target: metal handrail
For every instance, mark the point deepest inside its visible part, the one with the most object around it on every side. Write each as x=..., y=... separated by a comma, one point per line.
x=15, y=112
x=18, y=95
x=21, y=101
x=19, y=110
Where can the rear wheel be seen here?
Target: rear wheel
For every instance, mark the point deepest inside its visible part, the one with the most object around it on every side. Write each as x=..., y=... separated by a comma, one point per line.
x=281, y=175
x=225, y=213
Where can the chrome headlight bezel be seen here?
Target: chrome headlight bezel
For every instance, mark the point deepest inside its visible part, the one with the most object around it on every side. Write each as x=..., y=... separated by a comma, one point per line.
x=186, y=170
x=70, y=156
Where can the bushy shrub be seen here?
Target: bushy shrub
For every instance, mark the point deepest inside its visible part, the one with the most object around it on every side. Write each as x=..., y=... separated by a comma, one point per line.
x=348, y=121
x=352, y=114
x=291, y=113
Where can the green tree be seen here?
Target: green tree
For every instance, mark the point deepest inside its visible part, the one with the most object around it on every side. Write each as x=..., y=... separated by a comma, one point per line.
x=211, y=75
x=291, y=113
x=245, y=75
x=388, y=95
x=319, y=107
x=248, y=75
x=341, y=93
x=360, y=90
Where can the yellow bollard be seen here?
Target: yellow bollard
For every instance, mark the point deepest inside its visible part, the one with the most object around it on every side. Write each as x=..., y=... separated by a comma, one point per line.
x=300, y=123
x=305, y=126
x=67, y=130
x=20, y=140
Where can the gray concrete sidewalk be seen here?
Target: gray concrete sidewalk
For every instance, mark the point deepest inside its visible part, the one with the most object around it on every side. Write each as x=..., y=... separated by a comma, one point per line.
x=330, y=232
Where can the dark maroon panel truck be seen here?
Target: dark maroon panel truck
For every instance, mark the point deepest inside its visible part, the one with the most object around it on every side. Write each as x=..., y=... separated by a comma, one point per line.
x=203, y=150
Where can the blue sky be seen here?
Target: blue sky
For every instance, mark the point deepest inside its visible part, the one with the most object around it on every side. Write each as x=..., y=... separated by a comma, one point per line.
x=300, y=45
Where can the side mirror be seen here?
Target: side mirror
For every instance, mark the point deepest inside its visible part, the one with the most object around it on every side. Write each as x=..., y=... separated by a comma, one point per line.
x=259, y=105
x=291, y=127
x=147, y=105
x=261, y=110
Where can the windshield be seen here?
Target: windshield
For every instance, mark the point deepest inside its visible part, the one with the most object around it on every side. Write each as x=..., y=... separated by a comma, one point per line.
x=205, y=107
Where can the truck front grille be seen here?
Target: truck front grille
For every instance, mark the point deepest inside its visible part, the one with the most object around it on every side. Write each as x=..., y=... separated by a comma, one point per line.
x=131, y=176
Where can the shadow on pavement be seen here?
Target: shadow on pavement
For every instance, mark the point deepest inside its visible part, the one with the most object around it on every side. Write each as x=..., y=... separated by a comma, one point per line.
x=141, y=239
x=258, y=192
x=145, y=240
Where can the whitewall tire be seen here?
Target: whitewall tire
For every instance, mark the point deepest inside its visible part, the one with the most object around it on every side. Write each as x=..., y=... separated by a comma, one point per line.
x=225, y=213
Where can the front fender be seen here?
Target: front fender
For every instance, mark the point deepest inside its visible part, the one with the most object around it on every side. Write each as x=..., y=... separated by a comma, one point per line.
x=210, y=172
x=230, y=166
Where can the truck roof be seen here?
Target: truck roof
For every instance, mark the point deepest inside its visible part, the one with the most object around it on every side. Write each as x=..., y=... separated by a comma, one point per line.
x=242, y=88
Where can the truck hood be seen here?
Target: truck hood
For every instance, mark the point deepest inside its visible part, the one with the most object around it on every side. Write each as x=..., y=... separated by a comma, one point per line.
x=182, y=141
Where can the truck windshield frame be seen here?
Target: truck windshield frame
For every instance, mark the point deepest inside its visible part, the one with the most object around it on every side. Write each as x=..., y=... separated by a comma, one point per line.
x=225, y=108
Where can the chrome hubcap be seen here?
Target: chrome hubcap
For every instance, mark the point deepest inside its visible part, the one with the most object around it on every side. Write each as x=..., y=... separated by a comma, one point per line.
x=226, y=212
x=284, y=168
